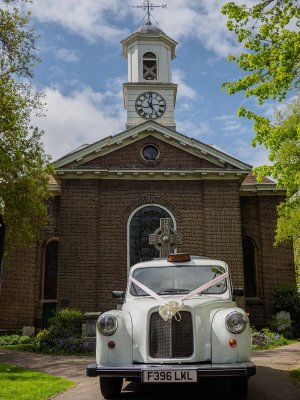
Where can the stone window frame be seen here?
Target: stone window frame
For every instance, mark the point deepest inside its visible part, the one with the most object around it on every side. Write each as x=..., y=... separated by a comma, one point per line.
x=129, y=221
x=142, y=153
x=44, y=248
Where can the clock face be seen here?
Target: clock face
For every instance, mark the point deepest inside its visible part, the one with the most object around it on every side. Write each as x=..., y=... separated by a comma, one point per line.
x=150, y=105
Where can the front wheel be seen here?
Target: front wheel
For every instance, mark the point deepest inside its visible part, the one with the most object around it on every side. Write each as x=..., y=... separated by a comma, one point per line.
x=239, y=387
x=110, y=387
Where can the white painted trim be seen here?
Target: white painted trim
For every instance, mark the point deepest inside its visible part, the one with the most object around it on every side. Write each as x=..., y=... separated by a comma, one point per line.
x=141, y=130
x=129, y=221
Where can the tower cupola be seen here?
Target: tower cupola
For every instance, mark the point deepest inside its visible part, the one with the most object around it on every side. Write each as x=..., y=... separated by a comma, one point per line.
x=149, y=93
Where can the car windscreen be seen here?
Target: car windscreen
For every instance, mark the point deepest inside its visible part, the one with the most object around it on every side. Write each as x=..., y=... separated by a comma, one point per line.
x=168, y=280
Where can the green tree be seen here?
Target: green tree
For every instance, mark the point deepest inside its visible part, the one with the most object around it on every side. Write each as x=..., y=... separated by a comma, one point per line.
x=23, y=162
x=269, y=31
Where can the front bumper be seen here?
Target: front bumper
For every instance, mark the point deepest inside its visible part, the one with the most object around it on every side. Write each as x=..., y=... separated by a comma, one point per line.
x=204, y=370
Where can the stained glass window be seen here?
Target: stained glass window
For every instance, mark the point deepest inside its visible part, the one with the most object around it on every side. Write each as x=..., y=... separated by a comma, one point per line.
x=145, y=222
x=50, y=273
x=249, y=254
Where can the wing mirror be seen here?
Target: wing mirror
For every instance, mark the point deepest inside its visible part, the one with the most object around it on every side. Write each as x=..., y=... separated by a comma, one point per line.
x=238, y=292
x=118, y=294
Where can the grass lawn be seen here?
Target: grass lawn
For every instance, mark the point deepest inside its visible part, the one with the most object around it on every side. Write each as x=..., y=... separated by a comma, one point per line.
x=18, y=383
x=296, y=374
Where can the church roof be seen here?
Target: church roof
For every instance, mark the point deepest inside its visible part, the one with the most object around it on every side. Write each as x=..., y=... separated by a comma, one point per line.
x=149, y=29
x=148, y=33
x=187, y=144
x=79, y=163
x=267, y=186
x=251, y=180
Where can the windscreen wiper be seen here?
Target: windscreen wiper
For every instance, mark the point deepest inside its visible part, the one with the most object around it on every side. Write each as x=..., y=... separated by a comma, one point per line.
x=173, y=290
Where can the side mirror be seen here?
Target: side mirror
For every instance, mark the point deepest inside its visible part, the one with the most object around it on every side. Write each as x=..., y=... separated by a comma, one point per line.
x=118, y=294
x=238, y=292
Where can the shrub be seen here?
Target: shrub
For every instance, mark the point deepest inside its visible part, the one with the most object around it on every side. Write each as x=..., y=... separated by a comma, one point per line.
x=66, y=323
x=14, y=339
x=288, y=299
x=266, y=339
x=64, y=335
x=65, y=346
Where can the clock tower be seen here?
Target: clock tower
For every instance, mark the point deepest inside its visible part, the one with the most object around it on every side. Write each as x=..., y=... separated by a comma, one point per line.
x=149, y=93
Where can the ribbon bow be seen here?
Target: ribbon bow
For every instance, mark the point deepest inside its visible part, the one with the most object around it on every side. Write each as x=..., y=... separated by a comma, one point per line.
x=170, y=310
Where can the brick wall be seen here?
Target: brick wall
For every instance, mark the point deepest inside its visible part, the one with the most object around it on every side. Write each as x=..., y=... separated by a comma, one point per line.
x=130, y=156
x=93, y=241
x=91, y=220
x=20, y=294
x=79, y=244
x=275, y=265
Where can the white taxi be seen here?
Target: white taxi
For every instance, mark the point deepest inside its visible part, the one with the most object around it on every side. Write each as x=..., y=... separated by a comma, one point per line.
x=178, y=323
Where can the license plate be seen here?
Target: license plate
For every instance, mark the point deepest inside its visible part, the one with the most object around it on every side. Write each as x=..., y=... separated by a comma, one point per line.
x=183, y=375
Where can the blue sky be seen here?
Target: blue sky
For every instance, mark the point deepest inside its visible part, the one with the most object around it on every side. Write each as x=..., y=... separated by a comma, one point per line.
x=82, y=72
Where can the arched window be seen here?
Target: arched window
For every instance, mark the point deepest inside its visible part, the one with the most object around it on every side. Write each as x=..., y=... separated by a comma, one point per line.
x=149, y=66
x=49, y=283
x=144, y=222
x=50, y=271
x=249, y=255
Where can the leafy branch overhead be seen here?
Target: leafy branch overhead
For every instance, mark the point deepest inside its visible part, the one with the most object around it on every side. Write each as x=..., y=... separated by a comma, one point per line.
x=23, y=162
x=269, y=31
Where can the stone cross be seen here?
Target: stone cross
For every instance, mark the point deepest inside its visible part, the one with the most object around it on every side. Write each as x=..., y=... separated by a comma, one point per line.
x=165, y=237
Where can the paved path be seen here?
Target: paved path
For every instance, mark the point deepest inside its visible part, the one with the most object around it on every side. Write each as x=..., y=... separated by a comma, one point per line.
x=271, y=382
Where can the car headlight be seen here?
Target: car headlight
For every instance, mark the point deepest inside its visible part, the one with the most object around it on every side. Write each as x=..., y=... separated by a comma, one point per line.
x=236, y=322
x=107, y=324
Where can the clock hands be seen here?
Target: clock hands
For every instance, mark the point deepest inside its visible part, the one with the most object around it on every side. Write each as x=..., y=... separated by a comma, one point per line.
x=153, y=101
x=150, y=102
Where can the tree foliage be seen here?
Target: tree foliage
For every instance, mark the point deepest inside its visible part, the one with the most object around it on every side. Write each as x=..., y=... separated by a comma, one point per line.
x=269, y=31
x=23, y=162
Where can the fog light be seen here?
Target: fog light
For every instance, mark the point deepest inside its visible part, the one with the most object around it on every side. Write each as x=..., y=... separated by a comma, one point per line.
x=232, y=342
x=111, y=344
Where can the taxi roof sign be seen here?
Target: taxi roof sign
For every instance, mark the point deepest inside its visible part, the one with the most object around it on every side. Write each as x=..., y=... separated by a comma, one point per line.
x=178, y=257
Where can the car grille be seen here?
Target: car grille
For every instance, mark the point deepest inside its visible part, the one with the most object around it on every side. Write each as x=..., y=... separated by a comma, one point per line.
x=171, y=339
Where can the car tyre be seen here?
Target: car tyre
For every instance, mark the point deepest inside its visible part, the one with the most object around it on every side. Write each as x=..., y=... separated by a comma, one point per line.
x=110, y=387
x=239, y=387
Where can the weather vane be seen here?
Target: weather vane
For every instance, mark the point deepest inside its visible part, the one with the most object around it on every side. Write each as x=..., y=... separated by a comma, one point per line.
x=148, y=7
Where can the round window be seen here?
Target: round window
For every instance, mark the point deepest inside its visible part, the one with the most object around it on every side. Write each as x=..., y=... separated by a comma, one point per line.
x=150, y=153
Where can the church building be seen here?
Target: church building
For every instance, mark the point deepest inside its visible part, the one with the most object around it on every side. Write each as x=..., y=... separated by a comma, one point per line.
x=139, y=194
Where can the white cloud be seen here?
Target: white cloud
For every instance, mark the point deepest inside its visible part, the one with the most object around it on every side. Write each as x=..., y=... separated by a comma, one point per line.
x=91, y=19
x=255, y=156
x=94, y=20
x=229, y=123
x=197, y=130
x=82, y=117
x=67, y=55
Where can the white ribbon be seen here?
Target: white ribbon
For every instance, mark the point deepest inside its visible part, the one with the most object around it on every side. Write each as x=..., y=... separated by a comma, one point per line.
x=147, y=290
x=169, y=309
x=206, y=286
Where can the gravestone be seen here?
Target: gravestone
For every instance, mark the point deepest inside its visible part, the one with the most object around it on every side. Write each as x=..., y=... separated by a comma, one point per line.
x=283, y=321
x=89, y=326
x=28, y=331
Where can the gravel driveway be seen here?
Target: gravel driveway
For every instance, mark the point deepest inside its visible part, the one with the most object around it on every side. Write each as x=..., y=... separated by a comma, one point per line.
x=271, y=382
